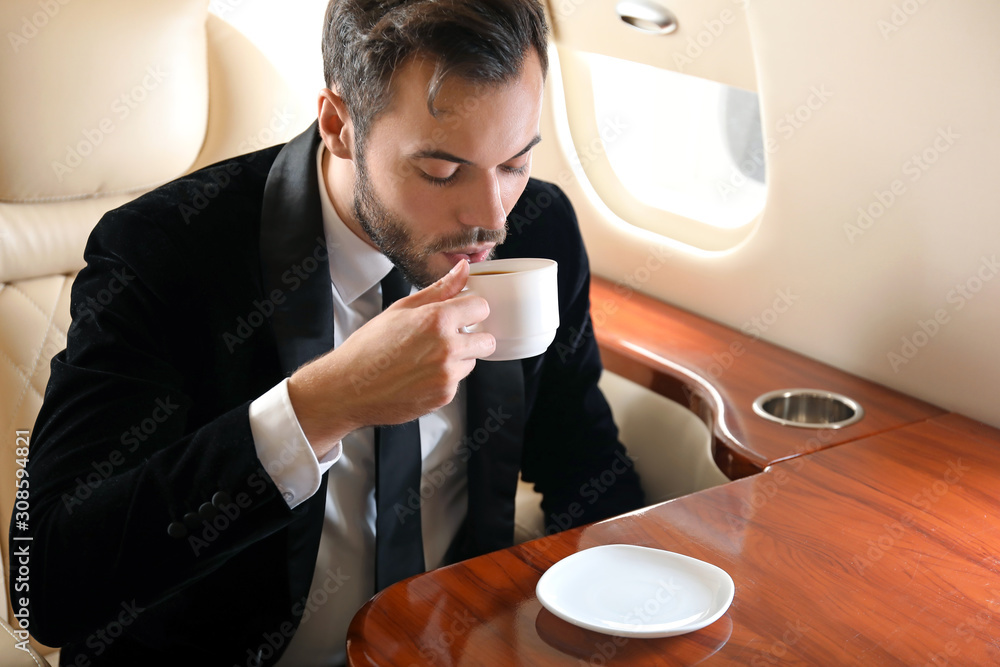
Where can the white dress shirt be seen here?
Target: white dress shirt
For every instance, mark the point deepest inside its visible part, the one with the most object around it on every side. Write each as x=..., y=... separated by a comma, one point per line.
x=344, y=576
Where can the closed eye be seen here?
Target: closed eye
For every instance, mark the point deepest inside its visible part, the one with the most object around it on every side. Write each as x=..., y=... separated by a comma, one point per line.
x=517, y=171
x=437, y=180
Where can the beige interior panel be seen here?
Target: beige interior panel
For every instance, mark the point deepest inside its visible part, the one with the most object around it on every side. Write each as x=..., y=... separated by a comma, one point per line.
x=711, y=40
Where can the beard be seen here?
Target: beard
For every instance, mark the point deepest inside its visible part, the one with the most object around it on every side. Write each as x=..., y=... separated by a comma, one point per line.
x=391, y=234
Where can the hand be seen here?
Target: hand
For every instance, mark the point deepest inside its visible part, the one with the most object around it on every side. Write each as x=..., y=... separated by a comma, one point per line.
x=401, y=365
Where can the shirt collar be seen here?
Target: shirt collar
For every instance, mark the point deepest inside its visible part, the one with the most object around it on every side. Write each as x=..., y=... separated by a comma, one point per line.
x=355, y=266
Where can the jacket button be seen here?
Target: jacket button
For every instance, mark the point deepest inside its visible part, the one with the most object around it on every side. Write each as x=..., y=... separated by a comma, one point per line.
x=192, y=521
x=207, y=511
x=177, y=530
x=221, y=498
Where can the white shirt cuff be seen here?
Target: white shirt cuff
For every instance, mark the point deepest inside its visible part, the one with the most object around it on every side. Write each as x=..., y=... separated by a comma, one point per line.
x=283, y=448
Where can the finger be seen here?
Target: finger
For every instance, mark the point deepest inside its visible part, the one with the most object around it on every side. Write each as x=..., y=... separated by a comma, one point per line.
x=478, y=345
x=466, y=310
x=445, y=288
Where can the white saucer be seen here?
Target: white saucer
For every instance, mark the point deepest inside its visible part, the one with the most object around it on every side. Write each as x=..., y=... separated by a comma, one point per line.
x=631, y=591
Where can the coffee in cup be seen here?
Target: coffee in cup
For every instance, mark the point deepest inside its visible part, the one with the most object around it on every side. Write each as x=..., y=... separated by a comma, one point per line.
x=523, y=296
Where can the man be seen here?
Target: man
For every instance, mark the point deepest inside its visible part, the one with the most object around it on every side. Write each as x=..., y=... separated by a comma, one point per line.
x=205, y=469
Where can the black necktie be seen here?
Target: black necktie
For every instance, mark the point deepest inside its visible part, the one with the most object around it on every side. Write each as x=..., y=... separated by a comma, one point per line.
x=399, y=549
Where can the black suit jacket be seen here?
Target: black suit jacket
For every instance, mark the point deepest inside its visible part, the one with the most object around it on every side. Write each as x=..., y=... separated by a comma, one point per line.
x=157, y=535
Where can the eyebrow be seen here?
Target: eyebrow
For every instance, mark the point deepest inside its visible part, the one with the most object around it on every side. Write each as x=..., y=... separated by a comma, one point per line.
x=448, y=157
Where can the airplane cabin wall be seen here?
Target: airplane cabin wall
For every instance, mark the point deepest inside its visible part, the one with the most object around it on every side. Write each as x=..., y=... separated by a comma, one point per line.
x=877, y=248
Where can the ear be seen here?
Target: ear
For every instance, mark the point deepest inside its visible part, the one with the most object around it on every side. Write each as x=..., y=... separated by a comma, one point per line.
x=335, y=126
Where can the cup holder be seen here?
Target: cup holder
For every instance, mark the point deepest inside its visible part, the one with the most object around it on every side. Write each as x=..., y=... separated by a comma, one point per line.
x=808, y=408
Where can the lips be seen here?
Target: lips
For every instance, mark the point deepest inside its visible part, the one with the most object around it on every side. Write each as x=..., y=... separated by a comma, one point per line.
x=475, y=254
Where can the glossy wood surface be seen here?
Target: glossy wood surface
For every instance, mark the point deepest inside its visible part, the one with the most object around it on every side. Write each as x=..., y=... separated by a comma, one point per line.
x=884, y=551
x=718, y=372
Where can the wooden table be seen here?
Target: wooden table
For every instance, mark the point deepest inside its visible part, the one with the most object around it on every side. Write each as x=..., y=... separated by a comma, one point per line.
x=873, y=544
x=883, y=551
x=717, y=372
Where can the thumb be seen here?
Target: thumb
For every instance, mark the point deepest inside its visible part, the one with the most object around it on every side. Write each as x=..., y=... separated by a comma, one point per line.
x=449, y=285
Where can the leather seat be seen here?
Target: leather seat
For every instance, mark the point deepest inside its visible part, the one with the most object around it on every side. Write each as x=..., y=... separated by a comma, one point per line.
x=103, y=101
x=670, y=446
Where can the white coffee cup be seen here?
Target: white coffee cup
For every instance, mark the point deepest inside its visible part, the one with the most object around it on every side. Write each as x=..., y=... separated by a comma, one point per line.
x=524, y=304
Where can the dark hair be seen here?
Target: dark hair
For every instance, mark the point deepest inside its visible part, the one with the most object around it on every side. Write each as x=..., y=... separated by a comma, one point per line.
x=481, y=41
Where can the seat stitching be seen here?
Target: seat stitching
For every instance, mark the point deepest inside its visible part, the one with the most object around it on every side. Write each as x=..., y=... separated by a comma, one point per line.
x=86, y=195
x=30, y=300
x=38, y=354
x=31, y=653
x=5, y=357
x=34, y=365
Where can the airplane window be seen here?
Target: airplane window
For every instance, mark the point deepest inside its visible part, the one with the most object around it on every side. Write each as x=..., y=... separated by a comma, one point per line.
x=680, y=143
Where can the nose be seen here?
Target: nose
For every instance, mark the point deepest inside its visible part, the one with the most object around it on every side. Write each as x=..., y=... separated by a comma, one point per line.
x=483, y=205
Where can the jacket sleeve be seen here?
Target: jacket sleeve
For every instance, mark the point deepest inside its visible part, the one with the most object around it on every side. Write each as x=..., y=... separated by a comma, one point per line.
x=135, y=493
x=572, y=453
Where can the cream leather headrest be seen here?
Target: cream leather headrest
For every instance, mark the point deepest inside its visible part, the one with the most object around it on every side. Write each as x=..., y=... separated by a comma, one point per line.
x=101, y=96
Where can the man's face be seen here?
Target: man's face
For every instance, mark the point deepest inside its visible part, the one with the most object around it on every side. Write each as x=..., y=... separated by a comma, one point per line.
x=431, y=191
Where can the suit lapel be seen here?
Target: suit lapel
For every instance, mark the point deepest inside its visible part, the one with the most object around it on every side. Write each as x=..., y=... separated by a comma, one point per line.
x=293, y=255
x=295, y=271
x=495, y=435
